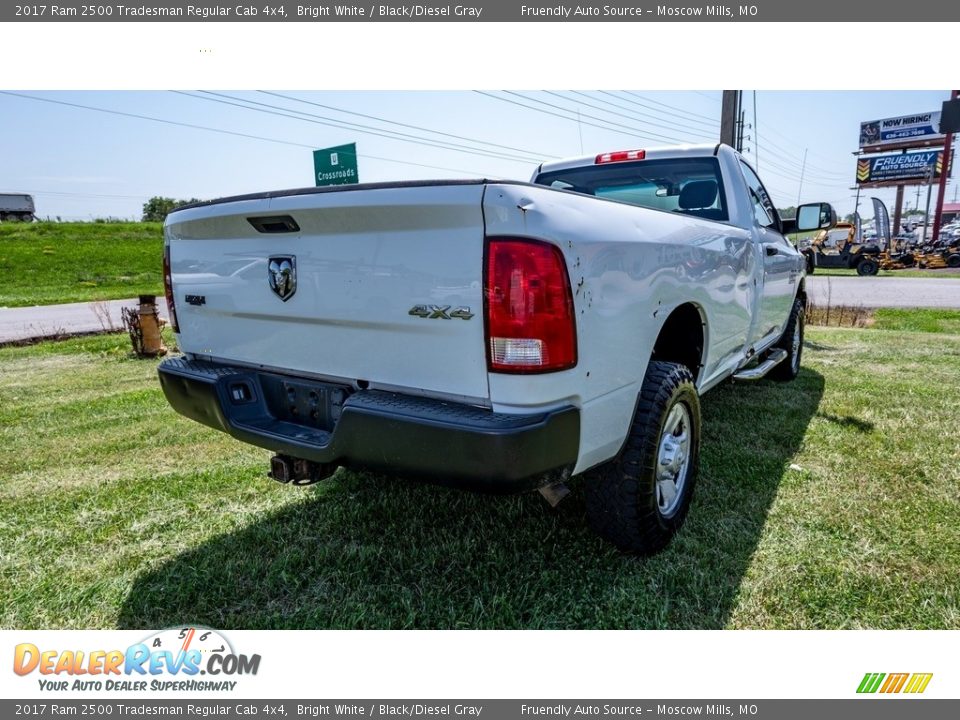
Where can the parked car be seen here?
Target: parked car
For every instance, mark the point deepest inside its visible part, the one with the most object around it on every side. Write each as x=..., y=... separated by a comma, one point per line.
x=493, y=335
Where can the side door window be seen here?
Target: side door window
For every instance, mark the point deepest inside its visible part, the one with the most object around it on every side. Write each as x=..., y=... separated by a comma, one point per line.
x=763, y=208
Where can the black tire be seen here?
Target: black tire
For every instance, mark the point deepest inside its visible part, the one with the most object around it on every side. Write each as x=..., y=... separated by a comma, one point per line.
x=953, y=260
x=868, y=266
x=811, y=263
x=792, y=342
x=623, y=502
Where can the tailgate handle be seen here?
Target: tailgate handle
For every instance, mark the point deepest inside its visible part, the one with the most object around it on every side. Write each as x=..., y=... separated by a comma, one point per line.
x=273, y=224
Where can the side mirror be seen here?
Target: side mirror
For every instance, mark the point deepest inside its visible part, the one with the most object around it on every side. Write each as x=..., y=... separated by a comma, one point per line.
x=815, y=216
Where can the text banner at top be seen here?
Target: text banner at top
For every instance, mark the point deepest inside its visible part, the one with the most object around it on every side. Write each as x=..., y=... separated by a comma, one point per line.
x=487, y=11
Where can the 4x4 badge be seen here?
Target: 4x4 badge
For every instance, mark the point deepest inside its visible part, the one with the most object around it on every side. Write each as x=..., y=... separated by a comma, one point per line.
x=283, y=275
x=440, y=312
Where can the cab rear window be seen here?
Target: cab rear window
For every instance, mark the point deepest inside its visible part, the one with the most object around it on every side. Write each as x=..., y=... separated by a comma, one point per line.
x=691, y=186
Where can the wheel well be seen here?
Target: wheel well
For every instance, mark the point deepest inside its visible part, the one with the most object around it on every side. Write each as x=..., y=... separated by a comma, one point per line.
x=681, y=338
x=802, y=292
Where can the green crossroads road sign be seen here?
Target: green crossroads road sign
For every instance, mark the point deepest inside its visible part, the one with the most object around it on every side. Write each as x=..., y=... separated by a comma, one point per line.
x=336, y=165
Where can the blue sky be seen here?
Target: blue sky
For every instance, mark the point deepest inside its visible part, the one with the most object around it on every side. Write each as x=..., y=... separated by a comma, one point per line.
x=81, y=163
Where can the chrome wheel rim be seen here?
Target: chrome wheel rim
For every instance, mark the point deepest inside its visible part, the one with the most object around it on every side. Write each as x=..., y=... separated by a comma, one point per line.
x=797, y=342
x=673, y=459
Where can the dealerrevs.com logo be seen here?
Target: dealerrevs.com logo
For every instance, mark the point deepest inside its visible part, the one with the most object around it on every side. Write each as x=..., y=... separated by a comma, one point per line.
x=893, y=683
x=178, y=659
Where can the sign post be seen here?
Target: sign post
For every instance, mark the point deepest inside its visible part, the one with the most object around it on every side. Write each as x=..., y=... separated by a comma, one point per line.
x=942, y=189
x=336, y=165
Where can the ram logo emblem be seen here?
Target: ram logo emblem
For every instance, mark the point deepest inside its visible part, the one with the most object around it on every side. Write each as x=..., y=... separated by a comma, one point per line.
x=283, y=275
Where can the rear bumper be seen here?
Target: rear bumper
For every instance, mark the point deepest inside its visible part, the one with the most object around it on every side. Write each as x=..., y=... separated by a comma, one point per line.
x=447, y=443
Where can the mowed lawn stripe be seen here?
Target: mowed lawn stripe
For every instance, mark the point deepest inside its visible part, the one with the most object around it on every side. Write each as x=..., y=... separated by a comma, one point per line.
x=829, y=502
x=49, y=263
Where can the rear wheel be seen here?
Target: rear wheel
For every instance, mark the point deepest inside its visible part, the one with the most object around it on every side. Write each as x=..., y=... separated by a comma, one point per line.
x=868, y=266
x=792, y=342
x=811, y=263
x=953, y=260
x=639, y=500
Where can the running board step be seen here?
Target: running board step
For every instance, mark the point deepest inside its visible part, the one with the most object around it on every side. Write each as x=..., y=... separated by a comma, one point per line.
x=755, y=373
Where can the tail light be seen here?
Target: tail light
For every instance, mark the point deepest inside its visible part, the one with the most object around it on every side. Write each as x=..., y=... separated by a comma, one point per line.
x=168, y=287
x=530, y=321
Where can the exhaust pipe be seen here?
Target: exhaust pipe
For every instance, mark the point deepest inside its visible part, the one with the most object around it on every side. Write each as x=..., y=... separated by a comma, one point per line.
x=299, y=472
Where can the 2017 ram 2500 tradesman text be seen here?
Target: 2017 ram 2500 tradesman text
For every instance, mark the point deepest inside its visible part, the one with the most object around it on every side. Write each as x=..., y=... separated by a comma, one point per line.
x=492, y=334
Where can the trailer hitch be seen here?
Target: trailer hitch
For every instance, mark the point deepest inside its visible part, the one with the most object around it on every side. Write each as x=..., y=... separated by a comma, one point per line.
x=299, y=472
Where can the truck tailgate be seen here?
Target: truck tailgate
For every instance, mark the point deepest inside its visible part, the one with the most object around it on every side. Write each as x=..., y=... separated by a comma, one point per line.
x=363, y=259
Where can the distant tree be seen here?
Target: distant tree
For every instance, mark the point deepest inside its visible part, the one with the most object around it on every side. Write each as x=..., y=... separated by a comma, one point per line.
x=157, y=208
x=788, y=213
x=850, y=217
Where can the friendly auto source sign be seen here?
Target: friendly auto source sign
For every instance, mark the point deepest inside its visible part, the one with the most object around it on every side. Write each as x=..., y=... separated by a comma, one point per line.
x=924, y=166
x=921, y=127
x=336, y=165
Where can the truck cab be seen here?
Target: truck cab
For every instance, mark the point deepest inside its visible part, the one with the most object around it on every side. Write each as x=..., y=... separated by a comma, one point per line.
x=716, y=183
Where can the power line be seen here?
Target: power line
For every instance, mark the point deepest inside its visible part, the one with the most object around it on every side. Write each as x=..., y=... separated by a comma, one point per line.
x=346, y=125
x=789, y=154
x=148, y=117
x=85, y=195
x=823, y=158
x=406, y=125
x=832, y=161
x=795, y=143
x=708, y=97
x=229, y=132
x=794, y=174
x=634, y=114
x=712, y=122
x=632, y=128
x=633, y=132
x=547, y=112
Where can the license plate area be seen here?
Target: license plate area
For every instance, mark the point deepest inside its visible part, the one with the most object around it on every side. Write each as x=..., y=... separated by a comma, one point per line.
x=314, y=404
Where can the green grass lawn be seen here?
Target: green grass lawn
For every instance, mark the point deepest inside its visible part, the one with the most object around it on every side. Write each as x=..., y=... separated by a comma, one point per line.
x=830, y=502
x=909, y=273
x=47, y=263
x=917, y=319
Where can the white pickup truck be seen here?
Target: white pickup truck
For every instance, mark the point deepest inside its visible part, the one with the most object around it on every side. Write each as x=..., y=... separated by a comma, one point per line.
x=488, y=334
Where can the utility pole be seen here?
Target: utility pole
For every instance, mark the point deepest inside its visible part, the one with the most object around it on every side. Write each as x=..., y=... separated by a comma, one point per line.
x=729, y=117
x=898, y=210
x=942, y=190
